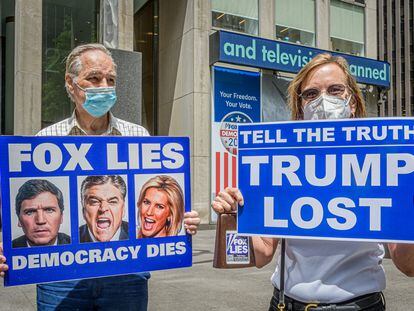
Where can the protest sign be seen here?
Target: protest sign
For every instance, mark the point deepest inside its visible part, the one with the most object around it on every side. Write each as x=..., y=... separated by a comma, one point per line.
x=84, y=207
x=344, y=179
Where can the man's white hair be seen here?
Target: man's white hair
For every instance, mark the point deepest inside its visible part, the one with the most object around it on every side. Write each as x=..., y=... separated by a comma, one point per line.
x=74, y=64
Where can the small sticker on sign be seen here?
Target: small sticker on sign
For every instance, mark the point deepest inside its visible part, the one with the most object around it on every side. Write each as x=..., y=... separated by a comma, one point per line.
x=237, y=248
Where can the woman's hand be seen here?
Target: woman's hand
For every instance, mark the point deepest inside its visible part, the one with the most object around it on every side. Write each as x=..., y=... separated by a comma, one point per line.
x=403, y=257
x=227, y=200
x=3, y=266
x=191, y=222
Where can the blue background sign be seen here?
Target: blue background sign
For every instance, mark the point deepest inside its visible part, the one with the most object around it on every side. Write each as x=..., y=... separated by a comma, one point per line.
x=345, y=179
x=277, y=55
x=236, y=100
x=66, y=162
x=236, y=91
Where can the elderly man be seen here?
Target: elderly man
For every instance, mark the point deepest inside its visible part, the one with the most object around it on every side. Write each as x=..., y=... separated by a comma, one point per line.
x=90, y=82
x=39, y=208
x=103, y=206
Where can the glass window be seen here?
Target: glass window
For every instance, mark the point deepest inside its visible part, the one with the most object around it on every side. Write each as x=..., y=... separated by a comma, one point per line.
x=237, y=15
x=295, y=21
x=7, y=9
x=274, y=98
x=347, y=28
x=146, y=42
x=66, y=24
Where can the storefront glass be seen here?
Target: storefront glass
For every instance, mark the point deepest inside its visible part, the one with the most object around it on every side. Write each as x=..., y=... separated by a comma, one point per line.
x=66, y=24
x=274, y=97
x=236, y=15
x=146, y=42
x=295, y=21
x=7, y=25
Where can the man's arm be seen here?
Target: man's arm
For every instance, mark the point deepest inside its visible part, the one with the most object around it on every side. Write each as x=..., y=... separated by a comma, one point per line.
x=3, y=266
x=403, y=257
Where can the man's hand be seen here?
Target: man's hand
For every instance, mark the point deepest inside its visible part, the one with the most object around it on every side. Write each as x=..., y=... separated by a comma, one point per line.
x=226, y=200
x=191, y=222
x=3, y=266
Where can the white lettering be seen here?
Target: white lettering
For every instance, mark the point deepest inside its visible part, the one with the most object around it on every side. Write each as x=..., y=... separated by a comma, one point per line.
x=254, y=162
x=269, y=215
x=375, y=205
x=78, y=157
x=317, y=213
x=279, y=170
x=394, y=169
x=176, y=159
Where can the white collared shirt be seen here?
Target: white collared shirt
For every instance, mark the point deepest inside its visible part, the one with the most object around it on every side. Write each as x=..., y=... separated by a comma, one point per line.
x=70, y=127
x=331, y=271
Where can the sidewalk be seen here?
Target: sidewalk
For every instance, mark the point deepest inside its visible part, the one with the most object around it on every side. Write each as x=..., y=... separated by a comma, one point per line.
x=203, y=288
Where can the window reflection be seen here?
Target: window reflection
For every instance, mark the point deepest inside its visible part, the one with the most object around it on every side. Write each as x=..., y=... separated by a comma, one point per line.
x=347, y=27
x=65, y=25
x=295, y=21
x=236, y=15
x=295, y=35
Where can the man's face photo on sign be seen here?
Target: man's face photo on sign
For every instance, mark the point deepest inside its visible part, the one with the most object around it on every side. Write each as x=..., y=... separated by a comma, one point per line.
x=39, y=207
x=103, y=209
x=160, y=207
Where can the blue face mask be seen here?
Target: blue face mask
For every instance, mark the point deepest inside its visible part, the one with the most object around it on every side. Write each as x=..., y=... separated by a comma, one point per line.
x=99, y=100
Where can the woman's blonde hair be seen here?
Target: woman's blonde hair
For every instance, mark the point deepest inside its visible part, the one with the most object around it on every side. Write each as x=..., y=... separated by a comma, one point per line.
x=175, y=199
x=295, y=87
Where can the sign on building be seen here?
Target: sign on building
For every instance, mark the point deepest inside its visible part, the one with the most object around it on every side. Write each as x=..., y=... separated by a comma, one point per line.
x=244, y=50
x=236, y=100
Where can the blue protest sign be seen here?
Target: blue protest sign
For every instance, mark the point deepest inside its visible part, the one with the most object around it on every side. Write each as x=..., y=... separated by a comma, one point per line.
x=83, y=207
x=344, y=179
x=245, y=50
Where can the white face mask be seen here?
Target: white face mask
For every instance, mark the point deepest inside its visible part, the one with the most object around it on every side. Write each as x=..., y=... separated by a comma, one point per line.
x=327, y=107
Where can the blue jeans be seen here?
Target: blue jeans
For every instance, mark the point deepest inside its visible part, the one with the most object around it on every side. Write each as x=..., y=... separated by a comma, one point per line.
x=125, y=292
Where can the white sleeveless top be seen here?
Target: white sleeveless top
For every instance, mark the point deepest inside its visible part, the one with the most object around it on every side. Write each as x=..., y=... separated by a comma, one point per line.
x=331, y=271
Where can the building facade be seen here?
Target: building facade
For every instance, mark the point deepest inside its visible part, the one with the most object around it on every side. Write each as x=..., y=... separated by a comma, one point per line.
x=396, y=45
x=173, y=37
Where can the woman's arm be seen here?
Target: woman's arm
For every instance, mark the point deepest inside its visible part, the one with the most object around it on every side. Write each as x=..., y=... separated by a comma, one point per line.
x=264, y=250
x=403, y=257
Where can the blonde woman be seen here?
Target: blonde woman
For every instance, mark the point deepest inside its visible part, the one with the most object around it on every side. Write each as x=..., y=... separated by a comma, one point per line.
x=160, y=207
x=320, y=275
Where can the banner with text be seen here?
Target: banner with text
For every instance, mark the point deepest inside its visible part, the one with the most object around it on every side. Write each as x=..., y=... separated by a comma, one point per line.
x=84, y=207
x=246, y=50
x=236, y=100
x=344, y=179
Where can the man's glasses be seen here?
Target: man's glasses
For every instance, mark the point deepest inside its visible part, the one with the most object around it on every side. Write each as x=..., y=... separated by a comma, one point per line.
x=314, y=93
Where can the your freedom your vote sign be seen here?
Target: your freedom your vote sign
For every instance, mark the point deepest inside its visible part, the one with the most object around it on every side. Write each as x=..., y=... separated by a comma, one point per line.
x=83, y=207
x=343, y=179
